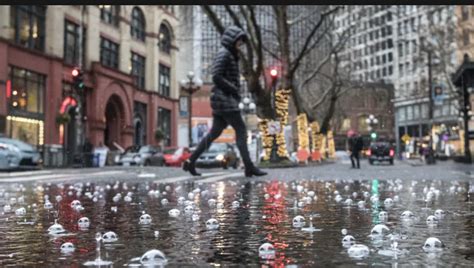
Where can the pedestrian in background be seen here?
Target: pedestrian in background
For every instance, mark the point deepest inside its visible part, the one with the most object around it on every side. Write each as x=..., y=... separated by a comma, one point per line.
x=356, y=145
x=225, y=100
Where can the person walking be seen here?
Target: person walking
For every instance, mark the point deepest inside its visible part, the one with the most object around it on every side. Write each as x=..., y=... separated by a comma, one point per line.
x=225, y=98
x=355, y=146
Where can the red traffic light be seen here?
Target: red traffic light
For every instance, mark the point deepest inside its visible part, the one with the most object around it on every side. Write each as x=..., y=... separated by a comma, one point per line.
x=274, y=72
x=75, y=72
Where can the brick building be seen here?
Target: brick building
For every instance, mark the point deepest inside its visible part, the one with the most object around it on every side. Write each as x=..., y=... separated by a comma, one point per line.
x=356, y=105
x=128, y=54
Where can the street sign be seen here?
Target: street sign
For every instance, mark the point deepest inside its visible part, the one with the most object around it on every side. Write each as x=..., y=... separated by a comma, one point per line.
x=438, y=94
x=406, y=138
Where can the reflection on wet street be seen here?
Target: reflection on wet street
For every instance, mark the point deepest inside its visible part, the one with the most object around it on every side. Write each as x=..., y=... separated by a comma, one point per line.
x=237, y=221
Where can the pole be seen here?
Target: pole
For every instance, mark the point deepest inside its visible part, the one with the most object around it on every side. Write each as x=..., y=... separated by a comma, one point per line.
x=467, y=150
x=190, y=106
x=431, y=159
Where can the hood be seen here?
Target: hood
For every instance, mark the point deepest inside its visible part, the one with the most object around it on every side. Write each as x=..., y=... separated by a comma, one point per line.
x=231, y=35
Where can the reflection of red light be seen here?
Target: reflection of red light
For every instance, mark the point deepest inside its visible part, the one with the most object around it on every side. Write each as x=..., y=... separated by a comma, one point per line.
x=392, y=152
x=369, y=152
x=68, y=101
x=9, y=88
x=274, y=72
x=75, y=72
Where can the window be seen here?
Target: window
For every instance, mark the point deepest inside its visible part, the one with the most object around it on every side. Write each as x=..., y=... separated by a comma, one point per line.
x=28, y=23
x=400, y=69
x=27, y=91
x=465, y=37
x=71, y=43
x=137, y=27
x=138, y=70
x=164, y=123
x=165, y=39
x=390, y=57
x=400, y=50
x=109, y=53
x=401, y=114
x=390, y=70
x=164, y=80
x=110, y=14
x=384, y=58
x=465, y=12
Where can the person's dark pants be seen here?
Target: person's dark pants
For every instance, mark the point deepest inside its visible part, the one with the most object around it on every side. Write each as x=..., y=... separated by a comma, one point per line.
x=219, y=122
x=356, y=156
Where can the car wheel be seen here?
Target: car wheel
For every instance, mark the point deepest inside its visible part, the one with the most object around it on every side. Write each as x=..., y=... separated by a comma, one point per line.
x=371, y=162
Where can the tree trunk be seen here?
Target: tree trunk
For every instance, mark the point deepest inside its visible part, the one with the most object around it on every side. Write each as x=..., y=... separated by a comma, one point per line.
x=327, y=118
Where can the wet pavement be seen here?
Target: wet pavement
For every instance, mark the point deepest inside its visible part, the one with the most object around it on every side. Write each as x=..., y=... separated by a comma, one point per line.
x=139, y=206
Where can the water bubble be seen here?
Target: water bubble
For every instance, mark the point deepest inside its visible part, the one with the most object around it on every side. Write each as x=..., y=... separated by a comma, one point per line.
x=266, y=251
x=407, y=215
x=109, y=237
x=383, y=216
x=338, y=198
x=220, y=206
x=211, y=202
x=164, y=201
x=75, y=204
x=299, y=188
x=396, y=199
x=127, y=199
x=346, y=188
x=348, y=202
x=20, y=212
x=388, y=202
x=354, y=195
x=145, y=219
x=266, y=196
x=67, y=247
x=348, y=241
x=344, y=231
x=153, y=258
x=191, y=196
x=361, y=204
x=212, y=224
x=433, y=245
x=174, y=212
x=440, y=214
x=56, y=228
x=336, y=192
x=311, y=193
x=432, y=220
x=366, y=194
x=358, y=251
x=299, y=221
x=195, y=217
x=83, y=223
x=156, y=234
x=181, y=200
x=189, y=209
x=235, y=204
x=379, y=231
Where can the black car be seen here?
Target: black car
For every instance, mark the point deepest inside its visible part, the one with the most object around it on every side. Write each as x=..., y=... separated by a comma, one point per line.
x=219, y=155
x=381, y=151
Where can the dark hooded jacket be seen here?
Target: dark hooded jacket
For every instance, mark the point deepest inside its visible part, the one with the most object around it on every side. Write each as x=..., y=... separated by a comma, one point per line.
x=225, y=95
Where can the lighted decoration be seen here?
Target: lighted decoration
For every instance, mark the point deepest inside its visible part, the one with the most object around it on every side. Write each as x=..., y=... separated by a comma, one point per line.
x=303, y=137
x=267, y=139
x=331, y=147
x=281, y=105
x=317, y=141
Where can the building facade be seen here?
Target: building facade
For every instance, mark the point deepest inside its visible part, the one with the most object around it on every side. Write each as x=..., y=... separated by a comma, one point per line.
x=128, y=55
x=354, y=107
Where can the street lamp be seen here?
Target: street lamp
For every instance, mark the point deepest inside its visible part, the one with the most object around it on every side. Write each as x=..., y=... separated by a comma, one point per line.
x=372, y=121
x=191, y=85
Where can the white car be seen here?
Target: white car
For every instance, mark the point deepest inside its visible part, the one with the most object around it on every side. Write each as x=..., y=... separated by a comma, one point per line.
x=15, y=154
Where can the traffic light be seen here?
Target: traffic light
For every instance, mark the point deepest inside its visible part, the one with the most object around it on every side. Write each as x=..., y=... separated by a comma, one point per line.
x=78, y=79
x=373, y=135
x=274, y=75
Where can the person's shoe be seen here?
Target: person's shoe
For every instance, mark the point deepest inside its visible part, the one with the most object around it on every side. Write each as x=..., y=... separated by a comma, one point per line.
x=254, y=171
x=188, y=166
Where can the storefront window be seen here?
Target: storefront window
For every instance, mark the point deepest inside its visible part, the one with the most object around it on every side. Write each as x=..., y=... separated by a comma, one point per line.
x=401, y=114
x=164, y=123
x=27, y=91
x=416, y=112
x=26, y=106
x=424, y=110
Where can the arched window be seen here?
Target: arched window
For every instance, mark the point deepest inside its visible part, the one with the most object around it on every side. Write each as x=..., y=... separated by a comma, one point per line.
x=165, y=39
x=137, y=28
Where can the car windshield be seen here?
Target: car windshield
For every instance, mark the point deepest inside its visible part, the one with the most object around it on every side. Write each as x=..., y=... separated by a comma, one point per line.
x=145, y=149
x=132, y=149
x=217, y=147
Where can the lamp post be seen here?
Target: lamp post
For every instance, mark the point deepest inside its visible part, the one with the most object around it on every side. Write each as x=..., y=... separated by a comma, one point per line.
x=190, y=86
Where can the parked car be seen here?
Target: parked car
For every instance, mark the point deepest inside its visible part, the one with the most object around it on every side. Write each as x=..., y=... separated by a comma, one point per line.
x=147, y=155
x=16, y=154
x=219, y=155
x=381, y=151
x=175, y=156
